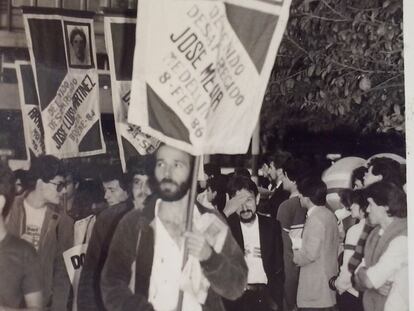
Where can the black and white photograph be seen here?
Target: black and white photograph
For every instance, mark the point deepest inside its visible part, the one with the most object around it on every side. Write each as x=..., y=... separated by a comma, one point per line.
x=200, y=155
x=78, y=45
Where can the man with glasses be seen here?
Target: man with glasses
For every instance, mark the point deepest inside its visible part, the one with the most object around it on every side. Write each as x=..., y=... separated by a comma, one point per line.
x=35, y=218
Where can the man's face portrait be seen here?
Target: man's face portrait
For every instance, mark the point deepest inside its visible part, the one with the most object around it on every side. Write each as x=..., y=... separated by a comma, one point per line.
x=78, y=46
x=172, y=173
x=247, y=210
x=114, y=193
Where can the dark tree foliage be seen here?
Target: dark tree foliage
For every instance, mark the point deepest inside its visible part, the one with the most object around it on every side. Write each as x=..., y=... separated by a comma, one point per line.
x=340, y=64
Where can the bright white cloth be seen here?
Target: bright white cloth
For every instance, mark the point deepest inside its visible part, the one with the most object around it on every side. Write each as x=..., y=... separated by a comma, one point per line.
x=34, y=222
x=393, y=267
x=166, y=272
x=397, y=299
x=393, y=259
x=202, y=199
x=253, y=253
x=82, y=230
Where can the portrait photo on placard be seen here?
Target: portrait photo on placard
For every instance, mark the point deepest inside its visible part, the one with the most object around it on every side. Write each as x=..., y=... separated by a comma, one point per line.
x=78, y=45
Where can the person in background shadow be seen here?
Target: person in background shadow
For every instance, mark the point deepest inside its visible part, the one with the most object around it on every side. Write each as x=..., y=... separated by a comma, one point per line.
x=20, y=285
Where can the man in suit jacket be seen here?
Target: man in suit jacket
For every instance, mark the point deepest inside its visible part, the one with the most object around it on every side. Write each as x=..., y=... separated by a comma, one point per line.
x=273, y=169
x=260, y=239
x=316, y=253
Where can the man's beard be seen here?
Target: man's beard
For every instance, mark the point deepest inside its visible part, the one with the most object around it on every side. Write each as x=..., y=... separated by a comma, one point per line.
x=169, y=195
x=247, y=220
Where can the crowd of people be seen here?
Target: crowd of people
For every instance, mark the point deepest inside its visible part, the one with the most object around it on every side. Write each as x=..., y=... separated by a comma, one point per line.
x=117, y=242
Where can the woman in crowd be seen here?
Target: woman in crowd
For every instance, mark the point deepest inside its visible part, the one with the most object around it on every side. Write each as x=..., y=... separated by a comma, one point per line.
x=349, y=298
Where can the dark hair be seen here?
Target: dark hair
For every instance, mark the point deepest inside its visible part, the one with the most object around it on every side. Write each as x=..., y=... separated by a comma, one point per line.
x=388, y=194
x=237, y=183
x=218, y=184
x=22, y=175
x=242, y=171
x=279, y=158
x=313, y=188
x=75, y=32
x=389, y=169
x=358, y=174
x=45, y=168
x=138, y=165
x=7, y=182
x=114, y=172
x=295, y=169
x=89, y=192
x=71, y=169
x=349, y=197
x=358, y=197
x=345, y=197
x=211, y=169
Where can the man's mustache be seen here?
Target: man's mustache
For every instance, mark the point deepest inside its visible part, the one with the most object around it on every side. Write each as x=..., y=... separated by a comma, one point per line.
x=249, y=211
x=169, y=181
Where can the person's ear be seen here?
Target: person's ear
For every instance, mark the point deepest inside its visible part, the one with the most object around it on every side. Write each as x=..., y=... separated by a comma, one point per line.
x=257, y=199
x=2, y=203
x=39, y=184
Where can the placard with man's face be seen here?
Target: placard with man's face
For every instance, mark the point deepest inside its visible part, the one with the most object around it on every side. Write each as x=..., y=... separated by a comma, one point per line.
x=78, y=43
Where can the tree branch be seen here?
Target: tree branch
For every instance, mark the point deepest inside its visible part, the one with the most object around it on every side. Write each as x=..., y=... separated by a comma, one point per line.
x=333, y=10
x=363, y=70
x=325, y=18
x=297, y=45
x=287, y=78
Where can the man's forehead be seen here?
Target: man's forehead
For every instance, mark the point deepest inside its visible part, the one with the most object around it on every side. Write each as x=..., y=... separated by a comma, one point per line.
x=245, y=192
x=57, y=178
x=167, y=153
x=111, y=183
x=139, y=177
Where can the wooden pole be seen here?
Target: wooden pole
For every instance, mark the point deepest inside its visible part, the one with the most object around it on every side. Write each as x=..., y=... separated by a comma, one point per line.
x=189, y=219
x=256, y=152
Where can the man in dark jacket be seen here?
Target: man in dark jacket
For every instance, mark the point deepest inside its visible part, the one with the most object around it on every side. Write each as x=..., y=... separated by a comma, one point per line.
x=273, y=167
x=260, y=238
x=143, y=268
x=116, y=195
x=35, y=217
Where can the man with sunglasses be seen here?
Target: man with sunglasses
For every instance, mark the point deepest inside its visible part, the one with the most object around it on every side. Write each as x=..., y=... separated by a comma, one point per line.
x=35, y=218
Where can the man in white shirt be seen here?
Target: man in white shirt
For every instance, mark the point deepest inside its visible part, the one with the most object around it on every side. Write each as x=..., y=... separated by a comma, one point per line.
x=261, y=239
x=143, y=267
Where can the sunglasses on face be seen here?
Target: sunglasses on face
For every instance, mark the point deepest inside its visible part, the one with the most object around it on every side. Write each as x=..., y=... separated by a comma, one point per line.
x=59, y=186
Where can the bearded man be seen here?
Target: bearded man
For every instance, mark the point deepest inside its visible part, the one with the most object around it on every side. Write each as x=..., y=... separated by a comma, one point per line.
x=143, y=268
x=261, y=240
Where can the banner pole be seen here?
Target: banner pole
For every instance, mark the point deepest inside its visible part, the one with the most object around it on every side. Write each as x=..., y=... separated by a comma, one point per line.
x=256, y=152
x=189, y=219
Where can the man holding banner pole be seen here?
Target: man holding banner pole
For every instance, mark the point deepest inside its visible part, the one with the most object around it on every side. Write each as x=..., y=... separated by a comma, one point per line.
x=143, y=270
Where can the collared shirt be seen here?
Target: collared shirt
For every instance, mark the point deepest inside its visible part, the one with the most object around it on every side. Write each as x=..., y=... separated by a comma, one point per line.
x=166, y=270
x=310, y=211
x=253, y=253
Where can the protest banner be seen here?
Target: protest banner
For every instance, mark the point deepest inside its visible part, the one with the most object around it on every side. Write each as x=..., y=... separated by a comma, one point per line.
x=120, y=43
x=32, y=122
x=74, y=259
x=62, y=51
x=201, y=69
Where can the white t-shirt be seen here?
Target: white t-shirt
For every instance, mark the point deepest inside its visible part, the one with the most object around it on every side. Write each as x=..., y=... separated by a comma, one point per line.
x=34, y=222
x=253, y=253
